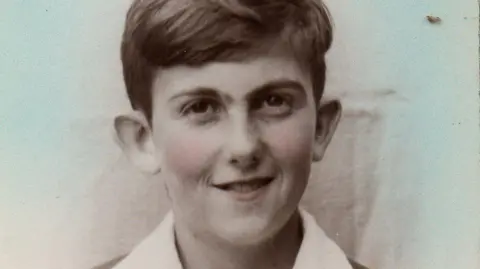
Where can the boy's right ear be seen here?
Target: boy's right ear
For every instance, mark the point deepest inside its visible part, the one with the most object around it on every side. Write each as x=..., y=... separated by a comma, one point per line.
x=135, y=138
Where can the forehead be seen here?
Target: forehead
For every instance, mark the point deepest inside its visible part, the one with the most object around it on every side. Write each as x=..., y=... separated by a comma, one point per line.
x=234, y=78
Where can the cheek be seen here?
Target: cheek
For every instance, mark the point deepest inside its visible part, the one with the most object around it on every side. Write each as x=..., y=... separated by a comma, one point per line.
x=292, y=142
x=188, y=155
x=291, y=145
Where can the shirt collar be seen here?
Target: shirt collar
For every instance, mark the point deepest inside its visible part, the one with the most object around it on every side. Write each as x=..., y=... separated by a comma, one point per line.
x=158, y=250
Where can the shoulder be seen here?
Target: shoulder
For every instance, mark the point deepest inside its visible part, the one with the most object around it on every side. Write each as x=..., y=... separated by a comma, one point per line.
x=356, y=265
x=111, y=263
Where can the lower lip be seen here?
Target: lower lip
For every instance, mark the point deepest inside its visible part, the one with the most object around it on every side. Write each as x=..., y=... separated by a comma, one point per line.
x=247, y=196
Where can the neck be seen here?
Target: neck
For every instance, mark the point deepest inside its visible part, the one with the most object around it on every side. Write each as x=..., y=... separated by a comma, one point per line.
x=279, y=252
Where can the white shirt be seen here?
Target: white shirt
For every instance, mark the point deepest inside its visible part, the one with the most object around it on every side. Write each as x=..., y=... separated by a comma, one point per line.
x=158, y=250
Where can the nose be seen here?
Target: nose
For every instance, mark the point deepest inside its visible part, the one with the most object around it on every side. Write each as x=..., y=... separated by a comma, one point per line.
x=244, y=145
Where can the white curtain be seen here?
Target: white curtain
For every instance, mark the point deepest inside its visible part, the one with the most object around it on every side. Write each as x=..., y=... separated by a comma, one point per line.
x=399, y=188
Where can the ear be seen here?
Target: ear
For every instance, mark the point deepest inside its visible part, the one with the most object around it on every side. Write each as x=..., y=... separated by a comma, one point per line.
x=134, y=136
x=328, y=116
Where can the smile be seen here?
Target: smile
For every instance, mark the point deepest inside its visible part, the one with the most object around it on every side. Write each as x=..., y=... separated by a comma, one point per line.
x=246, y=189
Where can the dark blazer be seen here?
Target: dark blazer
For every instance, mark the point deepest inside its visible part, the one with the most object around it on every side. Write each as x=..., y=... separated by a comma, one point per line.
x=110, y=264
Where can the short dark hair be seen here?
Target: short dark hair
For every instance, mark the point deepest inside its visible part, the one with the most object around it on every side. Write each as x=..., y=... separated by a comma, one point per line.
x=164, y=33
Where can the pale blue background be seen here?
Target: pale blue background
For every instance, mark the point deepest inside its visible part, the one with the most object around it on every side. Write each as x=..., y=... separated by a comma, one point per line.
x=400, y=187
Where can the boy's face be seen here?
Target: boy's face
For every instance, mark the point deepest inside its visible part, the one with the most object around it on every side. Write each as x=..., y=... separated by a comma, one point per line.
x=233, y=142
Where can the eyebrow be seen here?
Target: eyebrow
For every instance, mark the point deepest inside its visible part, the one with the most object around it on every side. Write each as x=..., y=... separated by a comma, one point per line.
x=277, y=84
x=205, y=91
x=267, y=87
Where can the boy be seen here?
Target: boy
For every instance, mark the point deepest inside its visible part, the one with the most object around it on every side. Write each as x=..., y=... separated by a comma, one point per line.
x=226, y=97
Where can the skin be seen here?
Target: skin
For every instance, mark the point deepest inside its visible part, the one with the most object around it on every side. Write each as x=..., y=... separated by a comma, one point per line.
x=224, y=122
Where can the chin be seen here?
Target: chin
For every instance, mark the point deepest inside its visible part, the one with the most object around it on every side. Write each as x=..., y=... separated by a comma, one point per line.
x=247, y=231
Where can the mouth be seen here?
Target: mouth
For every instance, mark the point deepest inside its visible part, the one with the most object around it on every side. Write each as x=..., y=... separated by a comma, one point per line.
x=246, y=186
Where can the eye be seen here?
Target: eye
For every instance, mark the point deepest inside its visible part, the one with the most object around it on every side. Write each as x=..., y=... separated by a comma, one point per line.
x=202, y=106
x=274, y=104
x=274, y=100
x=201, y=110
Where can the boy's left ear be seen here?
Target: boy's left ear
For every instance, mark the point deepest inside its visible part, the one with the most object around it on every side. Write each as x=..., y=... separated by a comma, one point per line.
x=328, y=116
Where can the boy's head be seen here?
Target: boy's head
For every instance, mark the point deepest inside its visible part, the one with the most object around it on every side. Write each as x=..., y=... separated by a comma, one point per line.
x=165, y=33
x=226, y=98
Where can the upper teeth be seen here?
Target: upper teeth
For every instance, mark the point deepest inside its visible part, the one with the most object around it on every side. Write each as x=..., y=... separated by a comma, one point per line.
x=244, y=187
